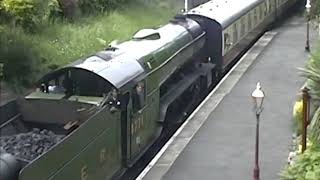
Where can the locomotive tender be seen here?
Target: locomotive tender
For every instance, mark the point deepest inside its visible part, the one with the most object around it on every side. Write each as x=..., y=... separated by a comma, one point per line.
x=111, y=106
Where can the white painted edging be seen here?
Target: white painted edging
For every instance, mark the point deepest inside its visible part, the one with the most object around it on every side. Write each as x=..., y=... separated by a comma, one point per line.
x=262, y=43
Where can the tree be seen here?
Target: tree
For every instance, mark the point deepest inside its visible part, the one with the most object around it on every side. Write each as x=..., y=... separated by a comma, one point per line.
x=315, y=11
x=69, y=8
x=315, y=8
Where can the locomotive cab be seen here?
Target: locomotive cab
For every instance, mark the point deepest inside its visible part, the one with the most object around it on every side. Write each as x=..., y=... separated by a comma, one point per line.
x=75, y=109
x=69, y=97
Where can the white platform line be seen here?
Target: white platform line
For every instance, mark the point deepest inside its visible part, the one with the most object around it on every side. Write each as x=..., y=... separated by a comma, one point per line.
x=263, y=41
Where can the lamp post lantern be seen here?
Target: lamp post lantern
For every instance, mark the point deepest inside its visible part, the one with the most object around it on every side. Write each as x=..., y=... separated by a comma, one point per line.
x=308, y=7
x=257, y=96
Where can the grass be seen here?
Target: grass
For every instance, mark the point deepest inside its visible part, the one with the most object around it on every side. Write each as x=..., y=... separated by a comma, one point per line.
x=62, y=43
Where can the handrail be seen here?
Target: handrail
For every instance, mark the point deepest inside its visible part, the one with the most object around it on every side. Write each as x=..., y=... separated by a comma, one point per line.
x=10, y=120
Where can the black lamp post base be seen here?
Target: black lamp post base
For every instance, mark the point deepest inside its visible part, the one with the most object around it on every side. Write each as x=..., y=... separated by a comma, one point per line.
x=307, y=48
x=256, y=173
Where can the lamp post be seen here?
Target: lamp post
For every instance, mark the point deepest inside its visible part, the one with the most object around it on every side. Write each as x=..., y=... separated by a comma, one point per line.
x=308, y=7
x=257, y=96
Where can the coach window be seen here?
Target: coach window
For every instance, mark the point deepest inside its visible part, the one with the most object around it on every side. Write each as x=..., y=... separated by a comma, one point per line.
x=227, y=42
x=243, y=26
x=265, y=8
x=138, y=96
x=235, y=34
x=270, y=7
x=249, y=21
x=255, y=22
x=261, y=12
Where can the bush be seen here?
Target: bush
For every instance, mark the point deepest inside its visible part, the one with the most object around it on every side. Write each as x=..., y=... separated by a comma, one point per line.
x=54, y=11
x=2, y=12
x=98, y=6
x=305, y=167
x=315, y=128
x=27, y=13
x=315, y=8
x=312, y=73
x=1, y=72
x=21, y=63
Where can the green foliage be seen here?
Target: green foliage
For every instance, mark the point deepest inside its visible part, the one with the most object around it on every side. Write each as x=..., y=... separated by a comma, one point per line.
x=99, y=6
x=24, y=12
x=1, y=72
x=29, y=13
x=3, y=14
x=21, y=63
x=306, y=166
x=2, y=10
x=315, y=8
x=312, y=73
x=315, y=128
x=65, y=42
x=54, y=11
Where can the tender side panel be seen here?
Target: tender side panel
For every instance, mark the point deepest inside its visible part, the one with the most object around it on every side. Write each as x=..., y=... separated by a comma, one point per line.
x=79, y=147
x=99, y=160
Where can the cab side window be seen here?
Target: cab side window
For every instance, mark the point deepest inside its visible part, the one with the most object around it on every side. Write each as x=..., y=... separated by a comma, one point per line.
x=138, y=96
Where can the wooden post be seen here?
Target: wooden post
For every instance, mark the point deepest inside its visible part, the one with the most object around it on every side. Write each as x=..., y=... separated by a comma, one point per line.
x=305, y=97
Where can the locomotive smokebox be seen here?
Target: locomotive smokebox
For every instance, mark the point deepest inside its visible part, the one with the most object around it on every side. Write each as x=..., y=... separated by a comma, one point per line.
x=9, y=167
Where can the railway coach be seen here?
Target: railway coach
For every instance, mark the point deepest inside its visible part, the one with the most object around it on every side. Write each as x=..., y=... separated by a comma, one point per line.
x=95, y=117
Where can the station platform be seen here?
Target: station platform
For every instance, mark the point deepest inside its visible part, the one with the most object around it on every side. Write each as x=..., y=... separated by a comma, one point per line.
x=217, y=141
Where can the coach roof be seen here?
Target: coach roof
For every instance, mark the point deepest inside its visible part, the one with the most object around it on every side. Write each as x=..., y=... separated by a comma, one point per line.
x=224, y=12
